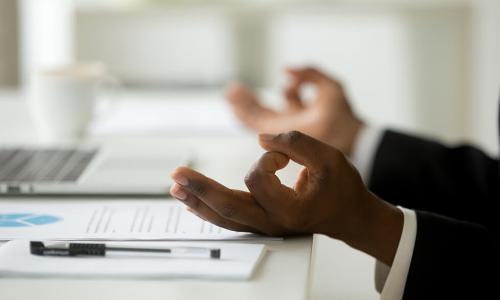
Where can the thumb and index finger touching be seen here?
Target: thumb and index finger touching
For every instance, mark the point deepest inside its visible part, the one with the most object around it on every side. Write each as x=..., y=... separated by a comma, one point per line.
x=299, y=147
x=262, y=181
x=304, y=75
x=299, y=77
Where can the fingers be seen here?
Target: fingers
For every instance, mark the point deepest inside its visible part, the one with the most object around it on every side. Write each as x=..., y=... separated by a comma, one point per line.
x=211, y=216
x=239, y=93
x=292, y=96
x=247, y=107
x=270, y=162
x=225, y=202
x=301, y=148
x=308, y=74
x=266, y=187
x=301, y=183
x=199, y=208
x=297, y=78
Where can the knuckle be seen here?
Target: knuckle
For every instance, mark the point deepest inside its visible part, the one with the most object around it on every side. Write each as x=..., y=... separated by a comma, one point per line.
x=273, y=161
x=228, y=211
x=276, y=159
x=322, y=174
x=267, y=159
x=254, y=178
x=251, y=179
x=192, y=202
x=197, y=188
x=292, y=137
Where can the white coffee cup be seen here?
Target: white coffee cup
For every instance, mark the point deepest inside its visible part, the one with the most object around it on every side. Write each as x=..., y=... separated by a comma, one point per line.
x=63, y=100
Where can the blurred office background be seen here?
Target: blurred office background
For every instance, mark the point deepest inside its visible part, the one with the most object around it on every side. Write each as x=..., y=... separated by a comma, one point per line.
x=428, y=66
x=432, y=67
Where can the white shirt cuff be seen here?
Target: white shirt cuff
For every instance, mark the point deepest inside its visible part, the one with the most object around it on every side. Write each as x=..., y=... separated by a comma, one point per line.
x=394, y=285
x=364, y=150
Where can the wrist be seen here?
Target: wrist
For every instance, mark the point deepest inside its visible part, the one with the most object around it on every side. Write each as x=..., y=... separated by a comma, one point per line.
x=353, y=134
x=377, y=229
x=346, y=136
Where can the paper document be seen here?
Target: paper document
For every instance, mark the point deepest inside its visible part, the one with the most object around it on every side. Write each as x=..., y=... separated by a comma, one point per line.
x=108, y=220
x=237, y=262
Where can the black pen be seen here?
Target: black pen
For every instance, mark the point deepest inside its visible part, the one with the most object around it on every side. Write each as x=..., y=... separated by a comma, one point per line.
x=100, y=249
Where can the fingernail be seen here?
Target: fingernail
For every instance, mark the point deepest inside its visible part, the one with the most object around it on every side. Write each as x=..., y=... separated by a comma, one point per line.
x=180, y=180
x=267, y=137
x=178, y=193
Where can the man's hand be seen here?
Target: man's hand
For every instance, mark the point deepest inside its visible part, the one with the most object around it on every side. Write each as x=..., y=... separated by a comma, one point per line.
x=329, y=197
x=327, y=117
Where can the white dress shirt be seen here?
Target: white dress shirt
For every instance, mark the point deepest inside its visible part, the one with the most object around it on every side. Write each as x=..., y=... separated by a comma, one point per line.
x=390, y=281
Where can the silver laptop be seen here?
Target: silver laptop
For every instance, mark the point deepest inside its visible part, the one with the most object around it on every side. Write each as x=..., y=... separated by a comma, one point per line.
x=84, y=172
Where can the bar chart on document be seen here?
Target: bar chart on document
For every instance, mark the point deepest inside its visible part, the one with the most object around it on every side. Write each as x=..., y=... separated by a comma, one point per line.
x=107, y=220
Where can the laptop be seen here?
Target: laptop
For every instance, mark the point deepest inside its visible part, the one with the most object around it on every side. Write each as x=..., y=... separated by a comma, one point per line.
x=84, y=172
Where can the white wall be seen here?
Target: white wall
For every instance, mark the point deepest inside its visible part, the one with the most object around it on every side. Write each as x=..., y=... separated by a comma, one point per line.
x=482, y=108
x=401, y=67
x=187, y=47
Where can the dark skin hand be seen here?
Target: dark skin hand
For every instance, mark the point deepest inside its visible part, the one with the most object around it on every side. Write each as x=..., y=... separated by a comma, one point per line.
x=329, y=198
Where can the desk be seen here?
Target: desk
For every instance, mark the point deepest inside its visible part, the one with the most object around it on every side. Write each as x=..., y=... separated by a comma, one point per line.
x=319, y=267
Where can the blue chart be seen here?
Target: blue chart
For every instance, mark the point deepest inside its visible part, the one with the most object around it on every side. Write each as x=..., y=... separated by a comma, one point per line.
x=26, y=220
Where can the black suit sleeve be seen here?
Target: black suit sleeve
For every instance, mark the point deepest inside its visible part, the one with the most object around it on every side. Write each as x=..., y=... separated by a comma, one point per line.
x=422, y=174
x=453, y=191
x=452, y=259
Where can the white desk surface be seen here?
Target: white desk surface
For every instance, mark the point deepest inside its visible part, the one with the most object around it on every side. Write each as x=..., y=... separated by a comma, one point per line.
x=299, y=268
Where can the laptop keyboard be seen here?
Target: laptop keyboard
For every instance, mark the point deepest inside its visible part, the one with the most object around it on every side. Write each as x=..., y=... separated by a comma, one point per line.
x=43, y=165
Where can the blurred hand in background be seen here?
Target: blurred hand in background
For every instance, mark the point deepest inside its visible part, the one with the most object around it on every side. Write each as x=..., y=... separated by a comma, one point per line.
x=327, y=117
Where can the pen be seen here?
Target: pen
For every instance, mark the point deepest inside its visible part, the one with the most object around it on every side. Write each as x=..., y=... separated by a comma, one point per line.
x=100, y=249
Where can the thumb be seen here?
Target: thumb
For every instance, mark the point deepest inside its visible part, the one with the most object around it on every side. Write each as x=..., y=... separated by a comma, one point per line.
x=301, y=148
x=264, y=184
x=292, y=95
